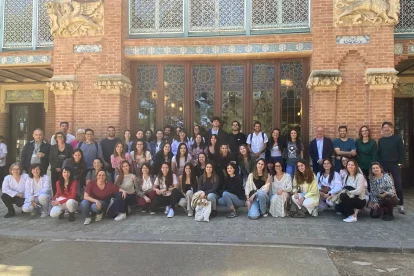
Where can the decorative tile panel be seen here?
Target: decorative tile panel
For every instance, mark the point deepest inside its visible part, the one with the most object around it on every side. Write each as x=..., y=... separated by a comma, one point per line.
x=398, y=48
x=87, y=48
x=16, y=60
x=217, y=49
x=353, y=39
x=24, y=95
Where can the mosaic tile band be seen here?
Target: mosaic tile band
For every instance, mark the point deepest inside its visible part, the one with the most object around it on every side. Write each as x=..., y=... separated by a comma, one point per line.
x=35, y=59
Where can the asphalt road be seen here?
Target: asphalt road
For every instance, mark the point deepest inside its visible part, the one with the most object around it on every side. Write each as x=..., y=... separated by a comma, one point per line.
x=113, y=258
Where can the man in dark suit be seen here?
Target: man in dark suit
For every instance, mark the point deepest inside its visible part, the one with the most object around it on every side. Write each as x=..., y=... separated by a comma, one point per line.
x=36, y=151
x=216, y=129
x=320, y=148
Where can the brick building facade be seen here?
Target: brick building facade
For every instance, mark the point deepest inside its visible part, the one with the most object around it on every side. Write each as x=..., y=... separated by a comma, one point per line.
x=138, y=64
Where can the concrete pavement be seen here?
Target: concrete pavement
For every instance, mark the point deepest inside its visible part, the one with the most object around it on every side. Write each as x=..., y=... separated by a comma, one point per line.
x=326, y=230
x=109, y=258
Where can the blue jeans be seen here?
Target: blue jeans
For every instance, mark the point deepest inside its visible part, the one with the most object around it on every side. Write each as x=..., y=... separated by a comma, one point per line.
x=230, y=200
x=87, y=207
x=213, y=198
x=259, y=205
x=290, y=169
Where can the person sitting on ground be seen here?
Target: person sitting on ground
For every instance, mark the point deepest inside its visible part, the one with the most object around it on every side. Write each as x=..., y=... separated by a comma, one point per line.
x=98, y=194
x=126, y=181
x=383, y=195
x=256, y=190
x=329, y=184
x=13, y=189
x=223, y=159
x=352, y=199
x=145, y=188
x=98, y=165
x=178, y=161
x=188, y=186
x=65, y=197
x=305, y=190
x=37, y=192
x=233, y=195
x=209, y=183
x=280, y=189
x=166, y=187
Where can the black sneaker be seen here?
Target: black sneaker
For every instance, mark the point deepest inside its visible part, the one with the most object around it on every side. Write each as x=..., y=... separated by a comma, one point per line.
x=388, y=217
x=61, y=215
x=213, y=214
x=9, y=215
x=232, y=215
x=71, y=217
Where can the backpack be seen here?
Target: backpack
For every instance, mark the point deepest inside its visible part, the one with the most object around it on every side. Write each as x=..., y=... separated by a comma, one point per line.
x=251, y=137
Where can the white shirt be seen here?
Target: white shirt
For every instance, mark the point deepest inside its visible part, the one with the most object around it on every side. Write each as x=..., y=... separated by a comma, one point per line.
x=335, y=185
x=69, y=139
x=319, y=145
x=34, y=189
x=12, y=187
x=256, y=142
x=3, y=154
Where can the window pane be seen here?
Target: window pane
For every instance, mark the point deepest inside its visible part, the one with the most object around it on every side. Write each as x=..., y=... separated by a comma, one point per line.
x=174, y=94
x=44, y=37
x=271, y=14
x=406, y=24
x=216, y=15
x=291, y=79
x=18, y=17
x=263, y=87
x=204, y=85
x=156, y=16
x=232, y=93
x=147, y=83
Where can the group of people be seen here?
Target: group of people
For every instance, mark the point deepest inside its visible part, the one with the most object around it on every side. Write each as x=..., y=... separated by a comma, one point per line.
x=269, y=175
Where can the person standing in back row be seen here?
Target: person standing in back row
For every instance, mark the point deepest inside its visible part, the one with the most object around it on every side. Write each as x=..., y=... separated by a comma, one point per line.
x=257, y=141
x=217, y=130
x=391, y=156
x=343, y=146
x=108, y=147
x=90, y=149
x=236, y=138
x=64, y=126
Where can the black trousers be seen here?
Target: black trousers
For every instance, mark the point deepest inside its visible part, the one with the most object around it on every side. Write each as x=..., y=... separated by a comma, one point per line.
x=9, y=201
x=54, y=175
x=386, y=205
x=347, y=205
x=395, y=171
x=172, y=200
x=3, y=173
x=121, y=204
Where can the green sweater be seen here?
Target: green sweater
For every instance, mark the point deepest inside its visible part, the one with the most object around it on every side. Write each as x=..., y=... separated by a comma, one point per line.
x=366, y=153
x=391, y=149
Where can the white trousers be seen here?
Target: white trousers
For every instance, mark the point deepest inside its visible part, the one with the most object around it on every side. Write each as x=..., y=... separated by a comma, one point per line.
x=42, y=200
x=71, y=205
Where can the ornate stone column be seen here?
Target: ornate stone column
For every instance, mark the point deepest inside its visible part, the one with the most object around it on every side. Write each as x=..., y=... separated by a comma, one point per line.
x=64, y=88
x=323, y=86
x=381, y=83
x=115, y=90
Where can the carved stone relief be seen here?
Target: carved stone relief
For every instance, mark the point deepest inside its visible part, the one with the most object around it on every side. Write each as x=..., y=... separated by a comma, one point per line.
x=381, y=77
x=366, y=12
x=63, y=85
x=114, y=84
x=324, y=79
x=71, y=18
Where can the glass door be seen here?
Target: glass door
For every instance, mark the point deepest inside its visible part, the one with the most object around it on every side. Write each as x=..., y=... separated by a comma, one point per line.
x=24, y=119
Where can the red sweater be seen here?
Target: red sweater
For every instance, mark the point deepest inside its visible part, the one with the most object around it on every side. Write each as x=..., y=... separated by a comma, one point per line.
x=66, y=194
x=95, y=192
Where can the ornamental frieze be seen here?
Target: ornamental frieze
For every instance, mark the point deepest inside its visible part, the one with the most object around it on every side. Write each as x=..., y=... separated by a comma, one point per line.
x=114, y=84
x=366, y=12
x=380, y=77
x=71, y=18
x=63, y=85
x=323, y=79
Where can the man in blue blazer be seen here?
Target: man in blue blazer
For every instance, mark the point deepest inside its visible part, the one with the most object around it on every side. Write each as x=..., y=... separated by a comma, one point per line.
x=320, y=148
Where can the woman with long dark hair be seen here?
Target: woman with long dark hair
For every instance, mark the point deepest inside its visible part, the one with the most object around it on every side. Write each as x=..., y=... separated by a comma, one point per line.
x=180, y=159
x=120, y=154
x=329, y=184
x=188, y=186
x=166, y=187
x=149, y=135
x=145, y=188
x=209, y=183
x=182, y=138
x=305, y=190
x=280, y=189
x=201, y=164
x=213, y=148
x=59, y=152
x=127, y=140
x=163, y=156
x=65, y=196
x=294, y=150
x=275, y=147
x=366, y=150
x=78, y=165
x=139, y=156
x=233, y=195
x=246, y=163
x=125, y=181
x=197, y=147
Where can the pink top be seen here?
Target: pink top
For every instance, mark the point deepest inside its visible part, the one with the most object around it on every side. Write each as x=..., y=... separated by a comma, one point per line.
x=116, y=161
x=74, y=143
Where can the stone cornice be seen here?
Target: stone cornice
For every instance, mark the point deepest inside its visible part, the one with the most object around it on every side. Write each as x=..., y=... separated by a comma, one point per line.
x=324, y=79
x=114, y=84
x=381, y=78
x=63, y=85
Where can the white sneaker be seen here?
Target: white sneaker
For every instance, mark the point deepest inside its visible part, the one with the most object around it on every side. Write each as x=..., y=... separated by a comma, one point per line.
x=170, y=213
x=33, y=213
x=190, y=213
x=265, y=215
x=44, y=215
x=121, y=216
x=401, y=210
x=129, y=209
x=152, y=213
x=143, y=211
x=350, y=219
x=167, y=209
x=98, y=217
x=87, y=221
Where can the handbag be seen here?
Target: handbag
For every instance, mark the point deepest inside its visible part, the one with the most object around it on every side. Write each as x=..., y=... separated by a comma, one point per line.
x=203, y=211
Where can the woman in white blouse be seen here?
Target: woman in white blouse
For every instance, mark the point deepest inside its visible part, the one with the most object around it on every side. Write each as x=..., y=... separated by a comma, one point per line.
x=280, y=188
x=13, y=189
x=329, y=184
x=37, y=192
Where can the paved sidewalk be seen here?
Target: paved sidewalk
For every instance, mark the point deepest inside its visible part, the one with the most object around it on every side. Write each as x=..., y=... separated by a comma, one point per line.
x=327, y=230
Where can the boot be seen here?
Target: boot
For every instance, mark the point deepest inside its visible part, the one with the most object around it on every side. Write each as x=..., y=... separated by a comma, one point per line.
x=71, y=217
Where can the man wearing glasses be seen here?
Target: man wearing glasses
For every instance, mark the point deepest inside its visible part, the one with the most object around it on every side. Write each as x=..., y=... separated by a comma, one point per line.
x=236, y=138
x=64, y=126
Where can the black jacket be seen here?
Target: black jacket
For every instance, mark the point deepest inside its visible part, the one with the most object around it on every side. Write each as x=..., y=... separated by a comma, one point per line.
x=27, y=152
x=158, y=160
x=327, y=150
x=54, y=155
x=222, y=137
